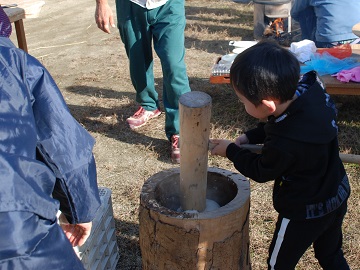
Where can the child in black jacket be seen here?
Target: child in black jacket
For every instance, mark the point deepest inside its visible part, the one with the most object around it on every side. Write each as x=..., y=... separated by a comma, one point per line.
x=300, y=152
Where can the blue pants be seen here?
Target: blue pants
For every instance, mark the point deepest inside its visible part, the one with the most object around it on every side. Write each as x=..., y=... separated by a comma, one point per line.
x=29, y=242
x=326, y=21
x=293, y=237
x=164, y=27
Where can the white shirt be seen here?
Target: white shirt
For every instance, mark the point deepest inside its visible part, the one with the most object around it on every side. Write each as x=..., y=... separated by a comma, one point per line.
x=149, y=4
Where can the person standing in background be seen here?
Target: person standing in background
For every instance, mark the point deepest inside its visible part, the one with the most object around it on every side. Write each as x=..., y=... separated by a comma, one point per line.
x=142, y=23
x=327, y=22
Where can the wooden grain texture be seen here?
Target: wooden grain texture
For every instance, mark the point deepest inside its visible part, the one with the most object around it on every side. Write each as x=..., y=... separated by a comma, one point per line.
x=15, y=13
x=195, y=113
x=217, y=239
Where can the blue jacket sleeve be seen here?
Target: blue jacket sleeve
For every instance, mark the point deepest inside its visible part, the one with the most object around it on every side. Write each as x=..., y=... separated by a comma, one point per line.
x=64, y=145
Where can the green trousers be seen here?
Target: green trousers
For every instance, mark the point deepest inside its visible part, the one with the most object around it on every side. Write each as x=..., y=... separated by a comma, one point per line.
x=164, y=28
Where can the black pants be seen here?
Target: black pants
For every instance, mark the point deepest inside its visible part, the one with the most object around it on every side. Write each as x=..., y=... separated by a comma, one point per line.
x=292, y=238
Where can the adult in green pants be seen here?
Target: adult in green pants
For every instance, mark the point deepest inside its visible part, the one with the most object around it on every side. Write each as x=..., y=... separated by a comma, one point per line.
x=142, y=23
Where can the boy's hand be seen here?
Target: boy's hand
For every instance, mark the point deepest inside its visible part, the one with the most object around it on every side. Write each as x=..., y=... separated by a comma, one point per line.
x=242, y=139
x=218, y=147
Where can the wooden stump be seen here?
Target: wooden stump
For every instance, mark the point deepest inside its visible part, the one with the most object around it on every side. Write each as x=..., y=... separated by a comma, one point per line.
x=174, y=240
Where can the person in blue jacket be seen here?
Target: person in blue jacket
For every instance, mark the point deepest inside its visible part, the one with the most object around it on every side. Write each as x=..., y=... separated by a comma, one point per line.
x=46, y=165
x=327, y=22
x=300, y=154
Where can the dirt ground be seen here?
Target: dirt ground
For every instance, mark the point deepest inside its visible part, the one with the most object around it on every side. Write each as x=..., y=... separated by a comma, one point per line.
x=91, y=69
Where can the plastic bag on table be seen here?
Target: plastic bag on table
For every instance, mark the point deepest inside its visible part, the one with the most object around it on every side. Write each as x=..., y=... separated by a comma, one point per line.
x=327, y=64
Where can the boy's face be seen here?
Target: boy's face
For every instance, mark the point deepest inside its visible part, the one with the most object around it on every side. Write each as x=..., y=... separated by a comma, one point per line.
x=260, y=112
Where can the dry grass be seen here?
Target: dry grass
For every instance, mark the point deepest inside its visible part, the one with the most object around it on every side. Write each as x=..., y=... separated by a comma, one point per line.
x=98, y=91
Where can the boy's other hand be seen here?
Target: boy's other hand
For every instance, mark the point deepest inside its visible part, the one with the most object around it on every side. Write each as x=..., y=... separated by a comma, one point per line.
x=242, y=139
x=218, y=147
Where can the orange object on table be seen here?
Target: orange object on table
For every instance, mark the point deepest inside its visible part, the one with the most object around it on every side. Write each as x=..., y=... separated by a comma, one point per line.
x=340, y=51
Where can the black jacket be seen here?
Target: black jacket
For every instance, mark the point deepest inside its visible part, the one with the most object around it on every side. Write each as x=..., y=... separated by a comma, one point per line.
x=301, y=153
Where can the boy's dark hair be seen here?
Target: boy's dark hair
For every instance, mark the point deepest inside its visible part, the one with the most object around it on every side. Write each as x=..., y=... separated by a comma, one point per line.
x=265, y=70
